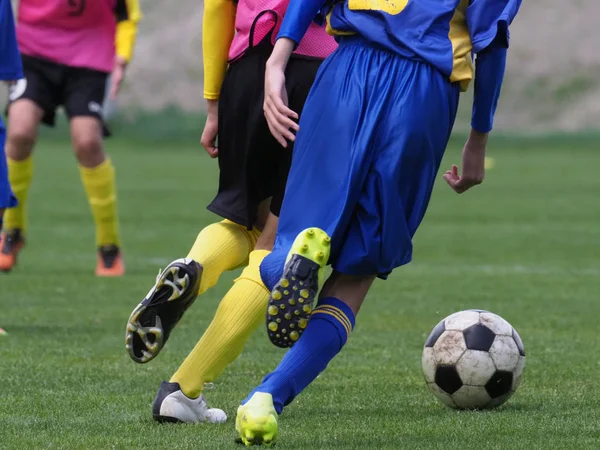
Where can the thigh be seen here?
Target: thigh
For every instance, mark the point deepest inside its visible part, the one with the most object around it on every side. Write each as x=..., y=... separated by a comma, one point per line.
x=411, y=140
x=333, y=150
x=41, y=86
x=23, y=121
x=83, y=93
x=267, y=236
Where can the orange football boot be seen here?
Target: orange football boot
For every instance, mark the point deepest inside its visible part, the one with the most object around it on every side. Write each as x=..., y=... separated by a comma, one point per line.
x=110, y=262
x=11, y=243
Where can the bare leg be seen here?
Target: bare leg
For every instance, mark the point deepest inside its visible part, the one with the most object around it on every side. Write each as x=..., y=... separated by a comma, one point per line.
x=23, y=123
x=351, y=289
x=98, y=178
x=86, y=136
x=267, y=237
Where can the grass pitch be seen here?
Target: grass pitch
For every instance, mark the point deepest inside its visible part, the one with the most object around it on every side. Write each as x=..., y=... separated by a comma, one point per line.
x=525, y=245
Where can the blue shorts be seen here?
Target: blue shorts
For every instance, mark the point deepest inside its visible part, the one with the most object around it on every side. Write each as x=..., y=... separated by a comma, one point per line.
x=372, y=135
x=7, y=199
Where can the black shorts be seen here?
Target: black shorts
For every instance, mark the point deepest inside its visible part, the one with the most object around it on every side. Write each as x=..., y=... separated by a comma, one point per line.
x=253, y=165
x=50, y=85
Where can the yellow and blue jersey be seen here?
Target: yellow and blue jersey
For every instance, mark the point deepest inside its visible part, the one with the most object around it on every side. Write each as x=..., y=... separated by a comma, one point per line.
x=378, y=118
x=443, y=33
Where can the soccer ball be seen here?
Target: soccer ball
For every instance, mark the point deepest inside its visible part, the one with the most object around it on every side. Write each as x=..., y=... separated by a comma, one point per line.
x=473, y=360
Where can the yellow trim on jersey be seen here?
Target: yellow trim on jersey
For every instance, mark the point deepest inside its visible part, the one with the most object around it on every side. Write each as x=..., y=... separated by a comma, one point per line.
x=390, y=7
x=462, y=64
x=337, y=313
x=218, y=28
x=332, y=31
x=127, y=30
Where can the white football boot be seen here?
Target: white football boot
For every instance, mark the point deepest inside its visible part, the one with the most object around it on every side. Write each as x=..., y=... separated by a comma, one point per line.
x=172, y=405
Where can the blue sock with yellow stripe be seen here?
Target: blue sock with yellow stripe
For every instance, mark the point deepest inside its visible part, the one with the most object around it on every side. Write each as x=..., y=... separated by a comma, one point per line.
x=328, y=329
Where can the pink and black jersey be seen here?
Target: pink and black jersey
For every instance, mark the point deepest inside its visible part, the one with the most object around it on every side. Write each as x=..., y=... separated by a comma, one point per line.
x=256, y=19
x=76, y=33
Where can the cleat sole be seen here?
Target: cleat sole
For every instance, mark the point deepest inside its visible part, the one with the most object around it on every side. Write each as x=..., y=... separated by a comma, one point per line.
x=291, y=301
x=152, y=321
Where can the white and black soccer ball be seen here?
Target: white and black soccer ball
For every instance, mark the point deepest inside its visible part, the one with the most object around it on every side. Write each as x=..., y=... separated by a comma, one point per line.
x=473, y=360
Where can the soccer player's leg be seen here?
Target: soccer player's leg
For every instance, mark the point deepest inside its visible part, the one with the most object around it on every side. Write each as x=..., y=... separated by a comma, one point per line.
x=290, y=302
x=82, y=98
x=7, y=198
x=181, y=282
x=242, y=309
x=239, y=314
x=23, y=123
x=244, y=163
x=330, y=162
x=31, y=101
x=404, y=158
x=411, y=144
x=328, y=331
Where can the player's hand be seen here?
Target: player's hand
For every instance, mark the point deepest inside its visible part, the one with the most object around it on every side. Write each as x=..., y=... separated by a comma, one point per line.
x=117, y=77
x=473, y=164
x=211, y=129
x=280, y=118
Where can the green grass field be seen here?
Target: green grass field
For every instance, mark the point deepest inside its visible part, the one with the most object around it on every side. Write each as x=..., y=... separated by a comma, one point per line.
x=525, y=245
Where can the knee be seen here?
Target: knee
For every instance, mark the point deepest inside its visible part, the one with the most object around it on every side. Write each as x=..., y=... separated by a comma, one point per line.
x=88, y=149
x=20, y=140
x=87, y=144
x=266, y=240
x=23, y=120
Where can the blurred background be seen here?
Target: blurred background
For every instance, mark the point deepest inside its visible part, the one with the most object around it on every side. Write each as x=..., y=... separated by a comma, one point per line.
x=552, y=83
x=525, y=245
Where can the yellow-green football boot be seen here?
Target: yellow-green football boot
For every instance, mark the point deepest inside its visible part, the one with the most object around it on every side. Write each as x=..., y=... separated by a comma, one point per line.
x=291, y=301
x=256, y=421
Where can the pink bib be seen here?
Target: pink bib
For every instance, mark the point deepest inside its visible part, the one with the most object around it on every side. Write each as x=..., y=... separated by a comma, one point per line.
x=255, y=19
x=77, y=33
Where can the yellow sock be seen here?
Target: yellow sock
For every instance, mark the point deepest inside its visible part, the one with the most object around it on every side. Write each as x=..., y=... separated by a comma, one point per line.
x=240, y=312
x=20, y=174
x=220, y=247
x=99, y=185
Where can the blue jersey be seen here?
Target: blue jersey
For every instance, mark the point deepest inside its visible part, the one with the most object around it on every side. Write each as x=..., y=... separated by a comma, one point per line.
x=442, y=33
x=10, y=59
